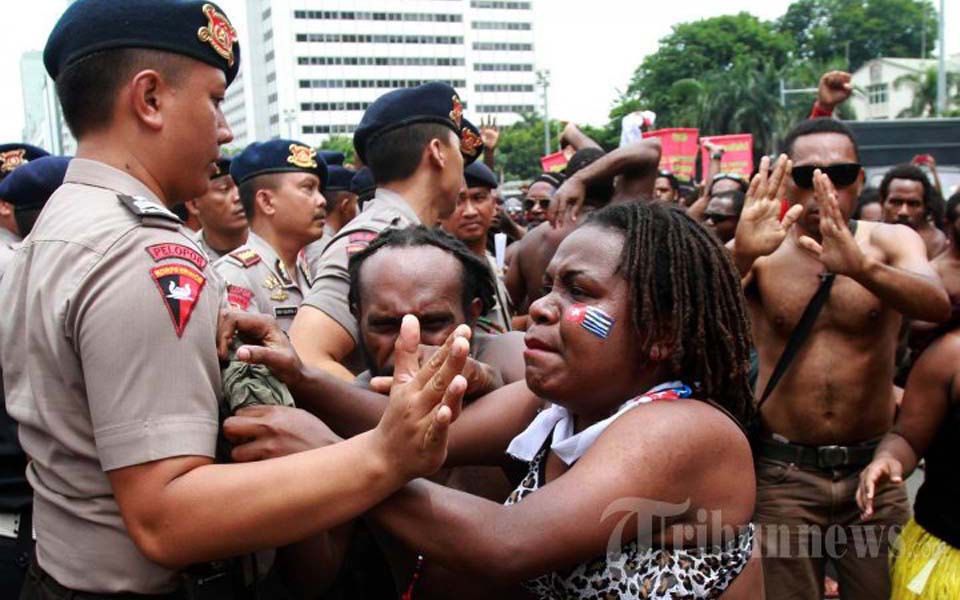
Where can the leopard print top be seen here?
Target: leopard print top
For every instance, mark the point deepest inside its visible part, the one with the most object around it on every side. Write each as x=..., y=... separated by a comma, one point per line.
x=637, y=573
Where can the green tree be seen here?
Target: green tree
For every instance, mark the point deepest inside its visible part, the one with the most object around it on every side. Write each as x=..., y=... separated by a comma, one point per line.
x=924, y=88
x=823, y=30
x=521, y=146
x=696, y=49
x=341, y=143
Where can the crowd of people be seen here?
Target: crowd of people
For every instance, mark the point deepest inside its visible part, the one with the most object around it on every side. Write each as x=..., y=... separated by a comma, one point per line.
x=283, y=374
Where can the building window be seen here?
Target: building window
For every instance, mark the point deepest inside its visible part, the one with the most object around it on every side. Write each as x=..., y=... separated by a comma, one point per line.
x=331, y=106
x=506, y=108
x=500, y=5
x=502, y=87
x=502, y=46
x=268, y=56
x=502, y=67
x=351, y=38
x=268, y=35
x=508, y=25
x=328, y=128
x=373, y=83
x=271, y=77
x=274, y=119
x=351, y=15
x=410, y=61
x=877, y=94
x=272, y=98
x=266, y=13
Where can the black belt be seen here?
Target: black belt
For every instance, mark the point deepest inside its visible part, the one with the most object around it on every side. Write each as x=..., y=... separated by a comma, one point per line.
x=819, y=457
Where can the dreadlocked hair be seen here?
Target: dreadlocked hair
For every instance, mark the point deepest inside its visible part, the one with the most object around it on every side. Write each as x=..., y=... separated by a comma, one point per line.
x=476, y=277
x=685, y=293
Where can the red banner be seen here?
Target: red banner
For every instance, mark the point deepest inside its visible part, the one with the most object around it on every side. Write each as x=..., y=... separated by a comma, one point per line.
x=678, y=151
x=553, y=163
x=737, y=155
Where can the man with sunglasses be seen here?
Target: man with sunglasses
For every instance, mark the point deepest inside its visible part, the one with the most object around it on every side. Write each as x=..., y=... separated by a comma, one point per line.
x=835, y=400
x=536, y=201
x=723, y=214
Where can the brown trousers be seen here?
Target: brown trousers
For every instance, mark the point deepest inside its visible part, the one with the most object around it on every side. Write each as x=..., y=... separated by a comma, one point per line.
x=809, y=516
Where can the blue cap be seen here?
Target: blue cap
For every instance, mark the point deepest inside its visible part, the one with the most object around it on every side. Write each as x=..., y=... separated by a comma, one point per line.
x=223, y=167
x=17, y=155
x=198, y=29
x=338, y=176
x=30, y=186
x=478, y=174
x=363, y=184
x=434, y=102
x=277, y=156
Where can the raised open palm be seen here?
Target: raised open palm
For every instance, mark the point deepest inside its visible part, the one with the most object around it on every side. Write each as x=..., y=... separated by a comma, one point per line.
x=761, y=231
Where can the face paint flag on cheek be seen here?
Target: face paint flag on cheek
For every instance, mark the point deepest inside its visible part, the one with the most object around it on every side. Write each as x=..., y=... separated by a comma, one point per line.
x=592, y=319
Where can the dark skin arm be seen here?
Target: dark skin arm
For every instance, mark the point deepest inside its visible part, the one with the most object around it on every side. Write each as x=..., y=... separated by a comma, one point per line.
x=571, y=518
x=931, y=388
x=636, y=162
x=905, y=281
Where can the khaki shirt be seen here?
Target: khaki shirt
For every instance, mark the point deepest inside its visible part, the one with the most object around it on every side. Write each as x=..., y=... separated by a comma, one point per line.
x=108, y=351
x=201, y=241
x=332, y=283
x=258, y=281
x=498, y=318
x=8, y=244
x=314, y=250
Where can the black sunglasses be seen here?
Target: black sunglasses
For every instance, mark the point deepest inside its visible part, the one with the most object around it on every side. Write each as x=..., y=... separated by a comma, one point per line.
x=841, y=175
x=717, y=217
x=543, y=202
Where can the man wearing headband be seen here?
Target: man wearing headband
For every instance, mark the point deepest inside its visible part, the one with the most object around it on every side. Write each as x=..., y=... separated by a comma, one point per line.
x=416, y=142
x=820, y=423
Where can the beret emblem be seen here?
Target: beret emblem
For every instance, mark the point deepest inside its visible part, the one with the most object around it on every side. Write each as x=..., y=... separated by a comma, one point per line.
x=456, y=115
x=469, y=142
x=302, y=156
x=218, y=33
x=12, y=159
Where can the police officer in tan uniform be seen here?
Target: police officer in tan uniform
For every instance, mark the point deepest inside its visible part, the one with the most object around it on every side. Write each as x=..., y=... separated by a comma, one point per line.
x=23, y=193
x=108, y=340
x=415, y=142
x=224, y=224
x=342, y=206
x=280, y=183
x=12, y=156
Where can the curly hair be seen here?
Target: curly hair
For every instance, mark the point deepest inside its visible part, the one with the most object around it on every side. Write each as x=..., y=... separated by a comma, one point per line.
x=685, y=292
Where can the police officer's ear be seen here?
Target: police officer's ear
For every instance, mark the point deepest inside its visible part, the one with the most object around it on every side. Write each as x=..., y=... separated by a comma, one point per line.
x=147, y=90
x=6, y=209
x=438, y=150
x=191, y=206
x=265, y=201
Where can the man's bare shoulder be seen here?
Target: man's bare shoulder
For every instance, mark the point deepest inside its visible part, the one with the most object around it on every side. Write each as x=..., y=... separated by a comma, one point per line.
x=886, y=235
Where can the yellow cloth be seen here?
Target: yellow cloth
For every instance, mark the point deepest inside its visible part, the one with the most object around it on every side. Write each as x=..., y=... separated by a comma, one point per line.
x=923, y=566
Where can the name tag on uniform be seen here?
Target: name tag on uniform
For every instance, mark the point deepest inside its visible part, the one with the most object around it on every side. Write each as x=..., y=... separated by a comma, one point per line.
x=285, y=311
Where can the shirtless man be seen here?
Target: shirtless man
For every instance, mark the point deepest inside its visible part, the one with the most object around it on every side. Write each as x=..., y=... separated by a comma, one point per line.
x=908, y=198
x=836, y=400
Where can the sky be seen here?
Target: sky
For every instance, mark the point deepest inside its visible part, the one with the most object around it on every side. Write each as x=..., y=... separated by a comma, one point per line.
x=590, y=48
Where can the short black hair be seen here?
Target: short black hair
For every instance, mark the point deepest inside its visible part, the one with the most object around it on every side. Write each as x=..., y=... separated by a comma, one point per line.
x=814, y=126
x=932, y=202
x=950, y=212
x=477, y=278
x=674, y=182
x=248, y=190
x=395, y=155
x=869, y=195
x=736, y=196
x=87, y=89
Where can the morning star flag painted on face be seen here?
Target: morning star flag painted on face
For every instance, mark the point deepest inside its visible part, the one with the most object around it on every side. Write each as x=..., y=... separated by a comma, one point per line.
x=592, y=319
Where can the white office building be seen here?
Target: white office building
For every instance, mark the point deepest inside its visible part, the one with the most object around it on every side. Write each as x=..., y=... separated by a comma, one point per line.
x=43, y=123
x=309, y=68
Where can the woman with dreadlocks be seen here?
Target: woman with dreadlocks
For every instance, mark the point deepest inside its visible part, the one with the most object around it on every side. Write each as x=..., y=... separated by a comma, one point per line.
x=640, y=477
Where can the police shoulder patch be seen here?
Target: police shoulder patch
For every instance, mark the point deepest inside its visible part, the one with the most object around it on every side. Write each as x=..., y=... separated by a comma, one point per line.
x=359, y=240
x=159, y=252
x=239, y=297
x=180, y=288
x=247, y=257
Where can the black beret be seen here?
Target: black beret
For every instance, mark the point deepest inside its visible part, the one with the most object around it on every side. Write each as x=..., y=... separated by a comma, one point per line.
x=362, y=183
x=552, y=179
x=30, y=186
x=277, y=156
x=198, y=29
x=15, y=155
x=223, y=167
x=332, y=157
x=338, y=179
x=478, y=174
x=433, y=102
